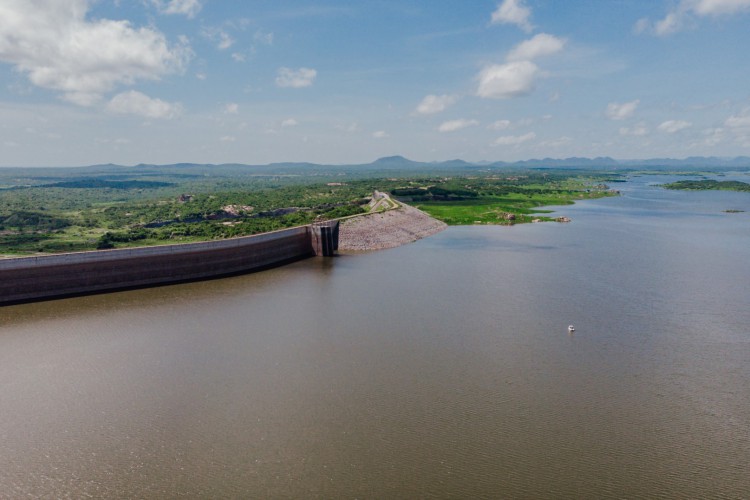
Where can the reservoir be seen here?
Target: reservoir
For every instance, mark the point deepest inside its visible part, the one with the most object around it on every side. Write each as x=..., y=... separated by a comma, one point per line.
x=439, y=369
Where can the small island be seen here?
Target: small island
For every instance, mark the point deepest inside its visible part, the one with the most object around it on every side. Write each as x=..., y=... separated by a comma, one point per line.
x=709, y=185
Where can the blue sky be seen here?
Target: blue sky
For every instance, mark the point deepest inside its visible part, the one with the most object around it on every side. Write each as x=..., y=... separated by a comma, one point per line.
x=216, y=81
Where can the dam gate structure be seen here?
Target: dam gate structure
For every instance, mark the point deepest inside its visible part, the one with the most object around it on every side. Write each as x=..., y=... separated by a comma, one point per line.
x=27, y=279
x=325, y=238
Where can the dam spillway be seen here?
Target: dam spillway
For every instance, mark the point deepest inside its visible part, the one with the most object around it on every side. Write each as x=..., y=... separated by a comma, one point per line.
x=27, y=279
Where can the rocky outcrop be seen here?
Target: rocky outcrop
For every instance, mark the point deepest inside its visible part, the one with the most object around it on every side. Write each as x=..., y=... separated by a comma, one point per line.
x=388, y=229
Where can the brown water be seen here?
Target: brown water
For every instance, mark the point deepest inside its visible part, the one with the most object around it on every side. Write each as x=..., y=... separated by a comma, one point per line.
x=440, y=369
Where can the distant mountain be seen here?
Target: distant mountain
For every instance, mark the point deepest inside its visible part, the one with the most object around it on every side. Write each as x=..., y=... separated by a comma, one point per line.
x=454, y=163
x=398, y=162
x=691, y=162
x=395, y=161
x=605, y=162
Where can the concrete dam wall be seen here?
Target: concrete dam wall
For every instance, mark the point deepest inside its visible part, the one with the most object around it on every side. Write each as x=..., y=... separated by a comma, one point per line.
x=27, y=279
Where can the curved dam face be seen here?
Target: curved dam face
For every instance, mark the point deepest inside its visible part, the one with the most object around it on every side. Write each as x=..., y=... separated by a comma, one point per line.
x=28, y=279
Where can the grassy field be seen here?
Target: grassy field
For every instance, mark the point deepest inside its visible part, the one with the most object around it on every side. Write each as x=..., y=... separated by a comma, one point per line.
x=512, y=208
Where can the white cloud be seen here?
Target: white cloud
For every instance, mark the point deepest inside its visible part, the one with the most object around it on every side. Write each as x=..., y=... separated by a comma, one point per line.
x=432, y=104
x=641, y=26
x=351, y=127
x=218, y=36
x=499, y=125
x=227, y=138
x=739, y=126
x=513, y=140
x=502, y=81
x=453, y=125
x=289, y=122
x=231, y=108
x=239, y=56
x=639, y=130
x=299, y=78
x=686, y=10
x=513, y=12
x=380, y=134
x=714, y=136
x=556, y=143
x=136, y=103
x=224, y=40
x=618, y=111
x=673, y=126
x=720, y=7
x=263, y=38
x=670, y=24
x=53, y=43
x=187, y=8
x=741, y=120
x=540, y=45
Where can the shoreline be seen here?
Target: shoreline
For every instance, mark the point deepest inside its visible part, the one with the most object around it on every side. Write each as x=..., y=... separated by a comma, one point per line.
x=388, y=229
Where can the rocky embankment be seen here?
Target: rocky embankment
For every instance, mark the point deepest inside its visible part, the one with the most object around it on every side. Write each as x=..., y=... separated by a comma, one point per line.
x=388, y=229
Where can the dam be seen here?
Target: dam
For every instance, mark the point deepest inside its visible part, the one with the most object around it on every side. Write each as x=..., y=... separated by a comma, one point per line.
x=27, y=279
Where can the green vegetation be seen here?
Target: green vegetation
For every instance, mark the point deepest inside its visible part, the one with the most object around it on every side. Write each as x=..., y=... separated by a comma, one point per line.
x=105, y=183
x=74, y=209
x=507, y=200
x=709, y=184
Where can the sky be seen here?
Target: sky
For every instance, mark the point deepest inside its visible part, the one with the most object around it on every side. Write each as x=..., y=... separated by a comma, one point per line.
x=347, y=81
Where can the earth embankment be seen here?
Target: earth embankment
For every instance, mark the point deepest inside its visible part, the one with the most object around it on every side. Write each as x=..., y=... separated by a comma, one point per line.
x=388, y=229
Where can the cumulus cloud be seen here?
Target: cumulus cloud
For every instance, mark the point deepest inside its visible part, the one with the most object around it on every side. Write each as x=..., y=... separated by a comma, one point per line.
x=453, y=125
x=231, y=108
x=741, y=120
x=739, y=126
x=136, y=103
x=556, y=143
x=187, y=8
x=639, y=130
x=499, y=125
x=289, y=122
x=502, y=81
x=513, y=12
x=218, y=36
x=57, y=48
x=298, y=78
x=673, y=126
x=380, y=134
x=540, y=45
x=518, y=75
x=678, y=17
x=265, y=38
x=224, y=41
x=351, y=127
x=621, y=111
x=432, y=104
x=513, y=140
x=714, y=136
x=720, y=7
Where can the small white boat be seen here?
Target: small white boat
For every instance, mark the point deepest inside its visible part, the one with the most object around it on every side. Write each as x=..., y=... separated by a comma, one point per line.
x=571, y=328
